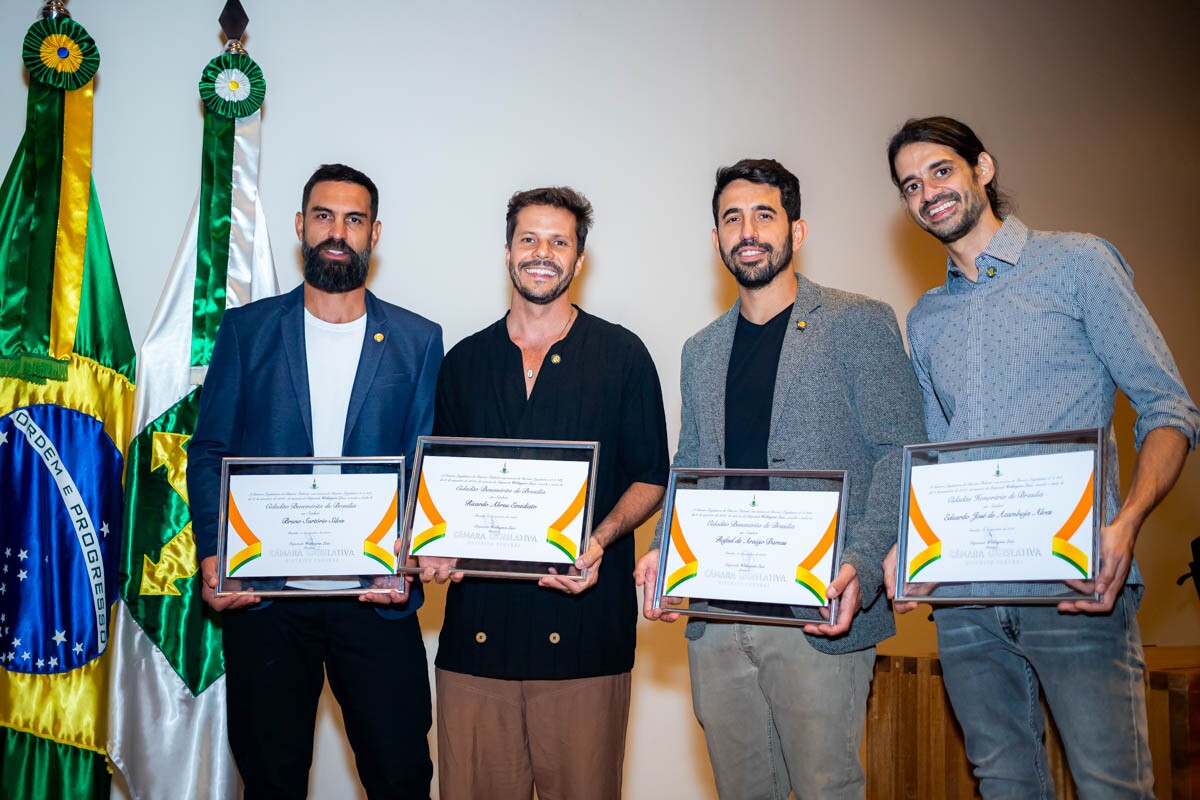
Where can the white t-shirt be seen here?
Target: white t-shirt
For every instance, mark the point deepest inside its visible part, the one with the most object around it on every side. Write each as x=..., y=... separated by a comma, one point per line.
x=332, y=350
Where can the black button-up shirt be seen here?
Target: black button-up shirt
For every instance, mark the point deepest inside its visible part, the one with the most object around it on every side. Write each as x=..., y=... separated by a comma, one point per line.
x=597, y=384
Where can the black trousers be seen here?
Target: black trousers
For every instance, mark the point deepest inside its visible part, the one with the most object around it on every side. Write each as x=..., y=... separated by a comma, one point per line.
x=276, y=659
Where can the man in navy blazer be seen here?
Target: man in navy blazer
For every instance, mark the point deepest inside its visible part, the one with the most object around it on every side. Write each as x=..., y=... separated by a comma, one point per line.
x=327, y=369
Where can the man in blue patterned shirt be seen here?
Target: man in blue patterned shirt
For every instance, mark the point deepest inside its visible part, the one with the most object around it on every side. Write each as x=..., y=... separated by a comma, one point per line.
x=1034, y=332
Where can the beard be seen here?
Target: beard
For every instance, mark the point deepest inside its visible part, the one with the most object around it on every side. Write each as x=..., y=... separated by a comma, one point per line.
x=758, y=277
x=546, y=295
x=331, y=276
x=972, y=210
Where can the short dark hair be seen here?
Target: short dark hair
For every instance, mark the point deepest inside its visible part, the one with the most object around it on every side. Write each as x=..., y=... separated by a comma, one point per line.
x=959, y=137
x=340, y=173
x=557, y=196
x=761, y=170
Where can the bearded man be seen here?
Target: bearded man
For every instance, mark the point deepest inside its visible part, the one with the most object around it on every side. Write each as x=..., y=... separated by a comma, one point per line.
x=533, y=678
x=1035, y=331
x=328, y=369
x=795, y=376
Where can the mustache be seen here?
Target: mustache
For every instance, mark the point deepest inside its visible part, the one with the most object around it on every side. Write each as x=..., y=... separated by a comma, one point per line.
x=540, y=262
x=337, y=244
x=941, y=198
x=742, y=245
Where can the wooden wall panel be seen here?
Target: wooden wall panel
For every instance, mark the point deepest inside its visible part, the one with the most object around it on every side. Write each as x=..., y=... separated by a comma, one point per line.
x=913, y=749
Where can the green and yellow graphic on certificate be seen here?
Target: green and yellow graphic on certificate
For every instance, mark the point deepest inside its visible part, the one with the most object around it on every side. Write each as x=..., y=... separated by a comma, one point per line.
x=311, y=524
x=752, y=547
x=515, y=509
x=1021, y=518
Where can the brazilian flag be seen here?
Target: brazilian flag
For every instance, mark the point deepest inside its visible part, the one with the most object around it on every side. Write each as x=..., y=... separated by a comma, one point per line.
x=66, y=389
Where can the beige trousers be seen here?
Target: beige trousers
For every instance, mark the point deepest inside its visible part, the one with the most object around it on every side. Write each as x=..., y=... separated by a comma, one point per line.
x=498, y=739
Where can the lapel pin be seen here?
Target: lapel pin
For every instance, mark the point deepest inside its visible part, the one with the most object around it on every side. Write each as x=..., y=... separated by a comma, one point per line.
x=801, y=325
x=379, y=337
x=555, y=359
x=991, y=272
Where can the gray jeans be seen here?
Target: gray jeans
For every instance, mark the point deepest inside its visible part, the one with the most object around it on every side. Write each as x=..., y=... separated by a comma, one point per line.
x=779, y=715
x=1091, y=670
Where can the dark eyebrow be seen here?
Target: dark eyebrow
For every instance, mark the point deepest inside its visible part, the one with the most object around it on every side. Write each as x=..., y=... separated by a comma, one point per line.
x=551, y=235
x=759, y=207
x=935, y=165
x=315, y=209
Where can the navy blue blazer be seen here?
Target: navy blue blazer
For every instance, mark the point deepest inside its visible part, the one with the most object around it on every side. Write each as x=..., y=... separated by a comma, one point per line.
x=255, y=400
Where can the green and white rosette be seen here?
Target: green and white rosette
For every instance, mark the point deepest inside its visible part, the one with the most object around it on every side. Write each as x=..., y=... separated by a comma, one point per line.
x=232, y=89
x=232, y=86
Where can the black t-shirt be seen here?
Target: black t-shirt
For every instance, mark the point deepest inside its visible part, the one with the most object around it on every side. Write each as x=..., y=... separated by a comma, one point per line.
x=596, y=384
x=749, y=398
x=749, y=395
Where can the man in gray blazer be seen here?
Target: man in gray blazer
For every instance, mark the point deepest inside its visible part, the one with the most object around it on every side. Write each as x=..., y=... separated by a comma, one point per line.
x=801, y=377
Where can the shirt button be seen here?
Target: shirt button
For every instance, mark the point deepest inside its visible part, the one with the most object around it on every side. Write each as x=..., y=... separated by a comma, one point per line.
x=555, y=638
x=481, y=637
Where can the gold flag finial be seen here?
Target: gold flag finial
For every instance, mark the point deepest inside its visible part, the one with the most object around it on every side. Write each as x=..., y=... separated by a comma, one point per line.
x=54, y=8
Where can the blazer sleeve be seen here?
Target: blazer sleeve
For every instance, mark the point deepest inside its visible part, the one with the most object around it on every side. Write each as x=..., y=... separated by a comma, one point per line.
x=687, y=454
x=884, y=391
x=420, y=420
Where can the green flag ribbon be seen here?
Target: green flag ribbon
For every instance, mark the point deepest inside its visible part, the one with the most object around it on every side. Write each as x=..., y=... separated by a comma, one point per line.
x=212, y=239
x=29, y=198
x=231, y=86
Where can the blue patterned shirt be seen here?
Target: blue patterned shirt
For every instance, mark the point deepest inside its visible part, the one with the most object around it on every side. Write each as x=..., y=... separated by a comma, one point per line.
x=1040, y=343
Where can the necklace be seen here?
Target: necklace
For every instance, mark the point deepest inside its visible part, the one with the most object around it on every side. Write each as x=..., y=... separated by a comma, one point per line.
x=570, y=318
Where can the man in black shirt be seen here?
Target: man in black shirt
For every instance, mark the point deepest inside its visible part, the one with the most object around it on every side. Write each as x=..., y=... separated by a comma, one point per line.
x=795, y=376
x=533, y=678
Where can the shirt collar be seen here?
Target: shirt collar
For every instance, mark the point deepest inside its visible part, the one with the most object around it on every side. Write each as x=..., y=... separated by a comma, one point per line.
x=1005, y=247
x=500, y=327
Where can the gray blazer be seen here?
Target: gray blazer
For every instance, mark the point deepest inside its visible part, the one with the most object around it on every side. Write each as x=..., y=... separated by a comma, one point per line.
x=845, y=398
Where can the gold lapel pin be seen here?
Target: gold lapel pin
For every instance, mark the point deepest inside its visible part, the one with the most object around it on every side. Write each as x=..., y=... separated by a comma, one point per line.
x=379, y=337
x=555, y=359
x=801, y=325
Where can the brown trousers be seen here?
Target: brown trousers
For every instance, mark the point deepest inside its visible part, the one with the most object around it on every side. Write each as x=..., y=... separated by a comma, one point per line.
x=497, y=739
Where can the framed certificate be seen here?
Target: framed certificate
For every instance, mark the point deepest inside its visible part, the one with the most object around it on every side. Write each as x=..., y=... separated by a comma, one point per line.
x=506, y=508
x=309, y=526
x=1004, y=520
x=751, y=545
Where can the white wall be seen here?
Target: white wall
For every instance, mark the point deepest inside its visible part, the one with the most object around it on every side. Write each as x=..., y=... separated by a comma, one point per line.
x=451, y=106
